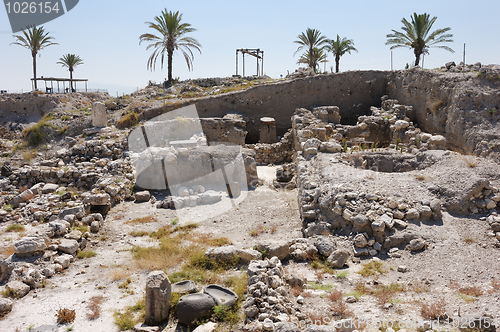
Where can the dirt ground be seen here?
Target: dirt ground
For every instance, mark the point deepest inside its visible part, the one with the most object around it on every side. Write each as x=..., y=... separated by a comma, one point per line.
x=461, y=255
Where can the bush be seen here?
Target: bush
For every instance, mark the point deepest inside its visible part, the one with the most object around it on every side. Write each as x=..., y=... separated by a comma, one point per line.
x=128, y=121
x=433, y=311
x=65, y=316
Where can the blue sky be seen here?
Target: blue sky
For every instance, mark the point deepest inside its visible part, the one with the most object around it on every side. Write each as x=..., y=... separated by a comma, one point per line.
x=106, y=35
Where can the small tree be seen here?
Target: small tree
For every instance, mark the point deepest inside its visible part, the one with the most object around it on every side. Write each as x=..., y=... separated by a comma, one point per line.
x=313, y=42
x=171, y=37
x=35, y=39
x=313, y=59
x=70, y=61
x=416, y=35
x=339, y=47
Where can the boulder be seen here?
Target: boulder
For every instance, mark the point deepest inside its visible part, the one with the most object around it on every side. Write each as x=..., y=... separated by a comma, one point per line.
x=401, y=124
x=280, y=249
x=325, y=246
x=417, y=244
x=360, y=241
x=68, y=246
x=29, y=245
x=78, y=211
x=145, y=328
x=193, y=307
x=59, y=227
x=437, y=142
x=338, y=258
x=158, y=294
x=98, y=199
x=412, y=214
x=359, y=222
x=5, y=306
x=142, y=196
x=63, y=260
x=6, y=267
x=207, y=327
x=17, y=289
x=49, y=188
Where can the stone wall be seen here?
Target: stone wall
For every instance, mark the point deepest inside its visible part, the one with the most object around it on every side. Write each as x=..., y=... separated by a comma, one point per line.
x=31, y=107
x=463, y=108
x=353, y=92
x=276, y=153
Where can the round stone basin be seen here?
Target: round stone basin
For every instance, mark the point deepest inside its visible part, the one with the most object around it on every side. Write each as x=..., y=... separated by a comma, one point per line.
x=221, y=295
x=184, y=287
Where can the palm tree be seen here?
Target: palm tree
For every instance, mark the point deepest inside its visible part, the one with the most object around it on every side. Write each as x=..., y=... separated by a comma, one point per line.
x=35, y=39
x=310, y=40
x=318, y=56
x=171, y=38
x=417, y=35
x=70, y=61
x=339, y=47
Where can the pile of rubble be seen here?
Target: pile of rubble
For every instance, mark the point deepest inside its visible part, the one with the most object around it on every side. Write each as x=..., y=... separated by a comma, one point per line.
x=385, y=141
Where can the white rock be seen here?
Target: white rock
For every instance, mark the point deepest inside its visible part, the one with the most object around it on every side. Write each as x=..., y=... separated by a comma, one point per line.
x=68, y=246
x=28, y=245
x=401, y=124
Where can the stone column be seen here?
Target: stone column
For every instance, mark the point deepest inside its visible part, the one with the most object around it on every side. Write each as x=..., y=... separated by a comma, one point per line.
x=158, y=294
x=268, y=130
x=99, y=118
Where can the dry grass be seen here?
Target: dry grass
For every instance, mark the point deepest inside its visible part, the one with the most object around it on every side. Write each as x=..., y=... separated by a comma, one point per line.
x=119, y=274
x=65, y=316
x=385, y=293
x=420, y=177
x=471, y=291
x=178, y=245
x=495, y=285
x=142, y=220
x=257, y=231
x=94, y=306
x=138, y=233
x=15, y=228
x=315, y=319
x=335, y=296
x=339, y=306
x=470, y=161
x=434, y=310
x=297, y=290
x=372, y=268
x=420, y=287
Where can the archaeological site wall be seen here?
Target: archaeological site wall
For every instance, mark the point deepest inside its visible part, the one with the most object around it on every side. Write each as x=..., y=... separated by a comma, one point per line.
x=353, y=92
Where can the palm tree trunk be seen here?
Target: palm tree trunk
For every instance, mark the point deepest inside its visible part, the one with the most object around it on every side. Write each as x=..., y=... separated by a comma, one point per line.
x=337, y=61
x=170, y=54
x=34, y=70
x=71, y=80
x=417, y=59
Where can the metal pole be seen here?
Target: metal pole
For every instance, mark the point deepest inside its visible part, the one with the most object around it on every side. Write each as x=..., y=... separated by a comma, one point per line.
x=392, y=68
x=262, y=63
x=236, y=62
x=463, y=67
x=258, y=51
x=243, y=64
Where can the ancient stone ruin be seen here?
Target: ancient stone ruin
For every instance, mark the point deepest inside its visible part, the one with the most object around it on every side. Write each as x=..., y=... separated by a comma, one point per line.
x=376, y=162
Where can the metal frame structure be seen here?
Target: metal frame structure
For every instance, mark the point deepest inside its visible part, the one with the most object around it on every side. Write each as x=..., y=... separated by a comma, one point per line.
x=255, y=52
x=54, y=79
